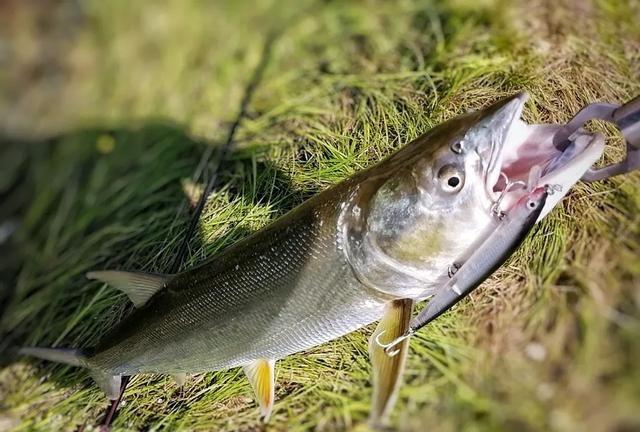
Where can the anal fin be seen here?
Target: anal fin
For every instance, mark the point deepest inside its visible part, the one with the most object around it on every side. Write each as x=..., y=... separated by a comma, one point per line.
x=180, y=378
x=138, y=286
x=261, y=375
x=387, y=370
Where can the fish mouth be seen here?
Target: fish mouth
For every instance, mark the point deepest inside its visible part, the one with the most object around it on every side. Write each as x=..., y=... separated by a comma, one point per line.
x=501, y=120
x=526, y=157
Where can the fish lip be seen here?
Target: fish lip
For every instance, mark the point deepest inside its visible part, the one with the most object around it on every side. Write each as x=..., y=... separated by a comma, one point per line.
x=505, y=114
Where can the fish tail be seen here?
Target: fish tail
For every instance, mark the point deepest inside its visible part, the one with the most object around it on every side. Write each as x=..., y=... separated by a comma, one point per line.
x=110, y=384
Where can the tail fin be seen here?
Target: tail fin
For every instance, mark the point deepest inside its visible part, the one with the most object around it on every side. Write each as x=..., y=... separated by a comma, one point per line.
x=66, y=356
x=110, y=384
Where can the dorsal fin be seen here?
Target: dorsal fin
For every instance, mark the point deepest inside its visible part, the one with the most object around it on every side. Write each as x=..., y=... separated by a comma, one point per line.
x=67, y=356
x=139, y=286
x=261, y=374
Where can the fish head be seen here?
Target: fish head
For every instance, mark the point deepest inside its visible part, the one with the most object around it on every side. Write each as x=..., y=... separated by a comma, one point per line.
x=425, y=204
x=459, y=163
x=428, y=203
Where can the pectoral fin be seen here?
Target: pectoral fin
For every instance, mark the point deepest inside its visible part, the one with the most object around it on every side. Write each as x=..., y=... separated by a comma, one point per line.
x=138, y=286
x=387, y=370
x=261, y=374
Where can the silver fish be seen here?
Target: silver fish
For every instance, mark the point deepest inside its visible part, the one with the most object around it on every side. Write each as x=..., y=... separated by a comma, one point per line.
x=335, y=263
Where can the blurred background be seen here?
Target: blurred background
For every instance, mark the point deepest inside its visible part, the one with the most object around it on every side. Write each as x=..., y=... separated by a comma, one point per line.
x=109, y=112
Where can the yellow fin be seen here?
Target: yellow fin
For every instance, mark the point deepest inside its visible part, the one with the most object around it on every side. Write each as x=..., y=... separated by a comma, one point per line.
x=387, y=370
x=110, y=384
x=261, y=374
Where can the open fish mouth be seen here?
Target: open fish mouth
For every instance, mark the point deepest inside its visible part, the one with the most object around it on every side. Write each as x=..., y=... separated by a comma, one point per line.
x=528, y=156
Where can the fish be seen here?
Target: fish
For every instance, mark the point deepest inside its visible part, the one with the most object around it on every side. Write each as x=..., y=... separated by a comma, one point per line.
x=498, y=240
x=361, y=251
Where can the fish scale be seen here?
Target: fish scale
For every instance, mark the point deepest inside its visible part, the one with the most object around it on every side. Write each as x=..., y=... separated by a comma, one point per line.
x=318, y=272
x=283, y=290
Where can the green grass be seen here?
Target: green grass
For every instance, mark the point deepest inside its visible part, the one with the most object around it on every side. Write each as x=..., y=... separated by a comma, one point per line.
x=134, y=92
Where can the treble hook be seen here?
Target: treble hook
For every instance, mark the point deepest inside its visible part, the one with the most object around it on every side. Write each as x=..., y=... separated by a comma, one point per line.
x=393, y=343
x=495, y=208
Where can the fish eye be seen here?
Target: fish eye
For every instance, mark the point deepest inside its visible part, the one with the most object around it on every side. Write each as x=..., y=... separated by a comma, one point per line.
x=532, y=204
x=451, y=178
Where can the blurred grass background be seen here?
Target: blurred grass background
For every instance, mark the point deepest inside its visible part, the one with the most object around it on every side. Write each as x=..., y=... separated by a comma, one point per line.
x=106, y=109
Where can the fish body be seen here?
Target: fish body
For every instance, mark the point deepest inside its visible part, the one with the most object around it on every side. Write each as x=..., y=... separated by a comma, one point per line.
x=323, y=270
x=285, y=289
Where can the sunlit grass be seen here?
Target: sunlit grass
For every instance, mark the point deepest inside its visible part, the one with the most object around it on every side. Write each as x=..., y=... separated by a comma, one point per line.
x=550, y=343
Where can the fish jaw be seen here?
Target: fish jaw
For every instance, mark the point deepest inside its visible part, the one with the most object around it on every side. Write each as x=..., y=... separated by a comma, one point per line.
x=495, y=129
